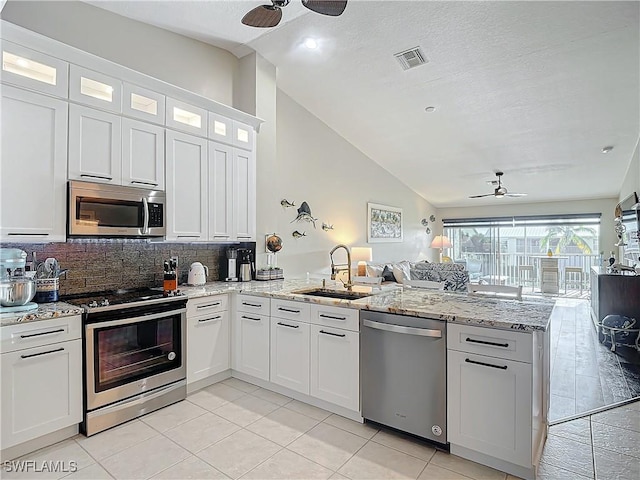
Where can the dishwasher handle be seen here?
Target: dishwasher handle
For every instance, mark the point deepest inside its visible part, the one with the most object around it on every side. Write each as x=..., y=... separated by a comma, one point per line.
x=423, y=332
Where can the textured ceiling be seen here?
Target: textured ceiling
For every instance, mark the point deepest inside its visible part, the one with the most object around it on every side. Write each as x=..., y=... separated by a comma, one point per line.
x=535, y=89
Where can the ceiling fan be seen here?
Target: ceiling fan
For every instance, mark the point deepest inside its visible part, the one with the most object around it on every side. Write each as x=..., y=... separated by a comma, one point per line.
x=500, y=191
x=266, y=16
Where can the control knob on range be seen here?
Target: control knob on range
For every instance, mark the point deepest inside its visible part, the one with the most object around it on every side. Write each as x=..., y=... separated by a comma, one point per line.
x=93, y=304
x=104, y=303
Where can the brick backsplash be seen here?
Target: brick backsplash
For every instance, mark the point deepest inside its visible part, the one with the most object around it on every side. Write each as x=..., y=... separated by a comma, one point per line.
x=95, y=265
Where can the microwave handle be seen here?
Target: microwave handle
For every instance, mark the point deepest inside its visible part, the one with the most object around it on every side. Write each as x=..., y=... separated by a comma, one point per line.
x=145, y=224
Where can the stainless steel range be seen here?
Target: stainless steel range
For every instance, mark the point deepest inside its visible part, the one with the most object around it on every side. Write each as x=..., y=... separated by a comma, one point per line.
x=134, y=354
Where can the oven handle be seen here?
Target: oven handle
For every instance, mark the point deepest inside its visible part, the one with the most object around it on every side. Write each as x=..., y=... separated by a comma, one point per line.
x=423, y=332
x=142, y=318
x=145, y=221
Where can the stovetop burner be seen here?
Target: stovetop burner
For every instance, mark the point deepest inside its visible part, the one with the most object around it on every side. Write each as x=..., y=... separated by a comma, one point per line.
x=117, y=297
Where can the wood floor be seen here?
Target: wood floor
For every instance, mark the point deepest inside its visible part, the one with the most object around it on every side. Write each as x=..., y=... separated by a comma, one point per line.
x=585, y=374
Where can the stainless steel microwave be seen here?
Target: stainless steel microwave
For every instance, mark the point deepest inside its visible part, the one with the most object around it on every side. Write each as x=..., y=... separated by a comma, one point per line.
x=99, y=210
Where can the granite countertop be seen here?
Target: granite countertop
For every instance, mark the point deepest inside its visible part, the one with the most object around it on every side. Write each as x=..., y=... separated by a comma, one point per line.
x=45, y=311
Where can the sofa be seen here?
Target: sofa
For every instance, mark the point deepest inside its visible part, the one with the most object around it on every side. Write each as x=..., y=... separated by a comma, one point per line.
x=454, y=275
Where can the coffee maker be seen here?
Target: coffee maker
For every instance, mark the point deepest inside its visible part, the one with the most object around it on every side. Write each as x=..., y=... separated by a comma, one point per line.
x=237, y=262
x=232, y=269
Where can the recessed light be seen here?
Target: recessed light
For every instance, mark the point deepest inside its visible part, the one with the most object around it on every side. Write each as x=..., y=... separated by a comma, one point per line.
x=430, y=109
x=311, y=44
x=607, y=149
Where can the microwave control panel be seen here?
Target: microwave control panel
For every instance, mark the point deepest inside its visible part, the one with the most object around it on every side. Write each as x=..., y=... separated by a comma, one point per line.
x=156, y=215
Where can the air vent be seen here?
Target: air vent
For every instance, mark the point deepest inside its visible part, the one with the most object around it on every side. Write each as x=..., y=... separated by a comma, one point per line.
x=411, y=58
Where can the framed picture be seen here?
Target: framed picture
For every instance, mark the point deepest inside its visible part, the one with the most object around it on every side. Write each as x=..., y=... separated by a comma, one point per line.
x=384, y=223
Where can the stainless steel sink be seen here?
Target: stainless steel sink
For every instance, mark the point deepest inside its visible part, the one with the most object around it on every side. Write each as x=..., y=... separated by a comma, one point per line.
x=339, y=294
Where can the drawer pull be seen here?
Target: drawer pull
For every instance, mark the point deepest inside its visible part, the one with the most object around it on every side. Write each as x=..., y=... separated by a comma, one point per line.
x=484, y=342
x=42, y=353
x=501, y=367
x=210, y=319
x=288, y=310
x=255, y=305
x=209, y=305
x=42, y=333
x=18, y=234
x=102, y=177
x=290, y=326
x=333, y=334
x=250, y=318
x=332, y=317
x=145, y=183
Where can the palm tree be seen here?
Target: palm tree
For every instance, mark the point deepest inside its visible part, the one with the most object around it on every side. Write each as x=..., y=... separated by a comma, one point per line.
x=568, y=235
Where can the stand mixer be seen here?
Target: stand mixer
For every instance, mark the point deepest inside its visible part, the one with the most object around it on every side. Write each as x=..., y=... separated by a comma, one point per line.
x=16, y=290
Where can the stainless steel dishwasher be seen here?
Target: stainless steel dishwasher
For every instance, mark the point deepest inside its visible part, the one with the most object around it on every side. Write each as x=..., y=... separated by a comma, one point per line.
x=403, y=366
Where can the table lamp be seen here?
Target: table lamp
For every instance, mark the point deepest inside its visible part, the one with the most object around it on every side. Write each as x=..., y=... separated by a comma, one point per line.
x=362, y=255
x=441, y=241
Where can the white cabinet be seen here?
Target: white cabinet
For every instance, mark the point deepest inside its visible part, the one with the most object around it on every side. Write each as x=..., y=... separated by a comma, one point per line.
x=243, y=136
x=220, y=192
x=251, y=336
x=41, y=379
x=208, y=338
x=143, y=104
x=95, y=89
x=220, y=128
x=185, y=117
x=94, y=145
x=34, y=163
x=290, y=354
x=244, y=195
x=335, y=360
x=34, y=70
x=142, y=154
x=186, y=187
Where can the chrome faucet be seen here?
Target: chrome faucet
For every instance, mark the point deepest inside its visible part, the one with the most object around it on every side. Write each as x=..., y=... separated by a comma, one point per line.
x=335, y=269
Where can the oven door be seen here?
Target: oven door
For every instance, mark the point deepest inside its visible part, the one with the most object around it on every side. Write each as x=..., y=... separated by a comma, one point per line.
x=129, y=356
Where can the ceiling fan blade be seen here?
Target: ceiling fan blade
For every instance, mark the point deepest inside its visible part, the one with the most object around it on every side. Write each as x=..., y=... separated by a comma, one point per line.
x=264, y=16
x=515, y=194
x=480, y=196
x=332, y=8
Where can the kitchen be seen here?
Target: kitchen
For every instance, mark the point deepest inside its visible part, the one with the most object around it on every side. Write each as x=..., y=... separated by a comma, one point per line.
x=275, y=182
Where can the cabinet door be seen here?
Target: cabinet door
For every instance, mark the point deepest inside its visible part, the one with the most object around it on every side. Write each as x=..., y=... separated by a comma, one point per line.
x=142, y=154
x=251, y=344
x=33, y=181
x=489, y=406
x=207, y=345
x=95, y=153
x=290, y=354
x=95, y=89
x=186, y=186
x=220, y=128
x=220, y=191
x=335, y=371
x=185, y=117
x=143, y=104
x=41, y=391
x=244, y=195
x=243, y=136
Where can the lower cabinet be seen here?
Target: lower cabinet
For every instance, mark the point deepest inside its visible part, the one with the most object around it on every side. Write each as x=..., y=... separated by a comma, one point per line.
x=290, y=354
x=251, y=336
x=41, y=380
x=208, y=339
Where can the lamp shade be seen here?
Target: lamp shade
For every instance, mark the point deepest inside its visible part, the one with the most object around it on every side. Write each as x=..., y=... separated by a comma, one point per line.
x=441, y=241
x=361, y=254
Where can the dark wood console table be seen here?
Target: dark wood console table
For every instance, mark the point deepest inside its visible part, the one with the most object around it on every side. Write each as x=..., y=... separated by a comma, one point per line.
x=614, y=294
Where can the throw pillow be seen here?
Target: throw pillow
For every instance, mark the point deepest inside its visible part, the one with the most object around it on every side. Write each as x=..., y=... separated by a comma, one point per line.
x=387, y=274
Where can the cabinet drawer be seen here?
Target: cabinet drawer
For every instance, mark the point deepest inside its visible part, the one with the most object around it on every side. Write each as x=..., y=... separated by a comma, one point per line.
x=206, y=305
x=338, y=317
x=37, y=334
x=253, y=304
x=290, y=310
x=491, y=342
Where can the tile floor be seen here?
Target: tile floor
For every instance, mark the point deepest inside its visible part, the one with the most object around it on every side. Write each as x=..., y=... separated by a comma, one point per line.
x=236, y=430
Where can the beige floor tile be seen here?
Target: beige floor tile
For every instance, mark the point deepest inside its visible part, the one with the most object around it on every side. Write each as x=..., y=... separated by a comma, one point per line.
x=308, y=410
x=239, y=453
x=172, y=415
x=337, y=476
x=92, y=472
x=109, y=442
x=215, y=396
x=616, y=439
x=56, y=457
x=328, y=445
x=615, y=466
x=201, y=432
x=434, y=472
x=621, y=417
x=270, y=396
x=569, y=455
x=240, y=385
x=578, y=430
x=145, y=459
x=246, y=410
x=288, y=465
x=191, y=468
x=551, y=472
x=466, y=467
x=282, y=426
x=375, y=461
x=362, y=429
x=405, y=444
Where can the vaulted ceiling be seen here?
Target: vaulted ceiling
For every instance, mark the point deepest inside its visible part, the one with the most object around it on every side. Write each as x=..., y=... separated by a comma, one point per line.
x=535, y=89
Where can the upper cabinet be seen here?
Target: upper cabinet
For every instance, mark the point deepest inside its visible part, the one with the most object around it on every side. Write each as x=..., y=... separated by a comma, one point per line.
x=34, y=70
x=142, y=154
x=220, y=128
x=185, y=117
x=243, y=136
x=95, y=89
x=144, y=104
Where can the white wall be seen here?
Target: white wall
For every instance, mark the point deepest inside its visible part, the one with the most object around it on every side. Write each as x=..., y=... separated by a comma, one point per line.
x=631, y=182
x=190, y=64
x=605, y=207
